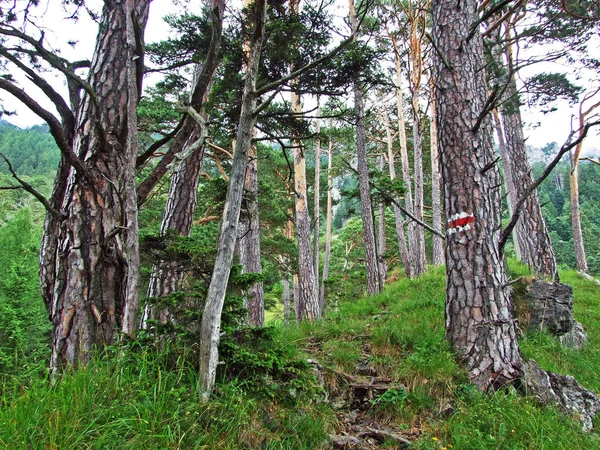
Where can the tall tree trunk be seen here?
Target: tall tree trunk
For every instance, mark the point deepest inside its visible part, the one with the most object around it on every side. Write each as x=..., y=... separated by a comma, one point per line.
x=421, y=261
x=316, y=204
x=178, y=215
x=397, y=213
x=374, y=280
x=532, y=234
x=89, y=261
x=249, y=243
x=511, y=192
x=381, y=244
x=413, y=240
x=479, y=321
x=308, y=302
x=436, y=201
x=580, y=256
x=211, y=318
x=328, y=221
x=181, y=201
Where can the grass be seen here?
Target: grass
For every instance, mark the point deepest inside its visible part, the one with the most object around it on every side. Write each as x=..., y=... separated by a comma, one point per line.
x=138, y=402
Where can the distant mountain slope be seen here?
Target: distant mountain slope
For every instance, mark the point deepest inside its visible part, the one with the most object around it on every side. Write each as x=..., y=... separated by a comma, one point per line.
x=31, y=151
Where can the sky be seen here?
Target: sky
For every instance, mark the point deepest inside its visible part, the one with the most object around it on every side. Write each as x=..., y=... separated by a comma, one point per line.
x=540, y=129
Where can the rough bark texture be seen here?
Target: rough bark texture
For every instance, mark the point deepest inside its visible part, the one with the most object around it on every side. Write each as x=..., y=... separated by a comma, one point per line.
x=178, y=216
x=374, y=280
x=479, y=320
x=316, y=204
x=211, y=318
x=89, y=261
x=181, y=201
x=436, y=178
x=531, y=232
x=249, y=243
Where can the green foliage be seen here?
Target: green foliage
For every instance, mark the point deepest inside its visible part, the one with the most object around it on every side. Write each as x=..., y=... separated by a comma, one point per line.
x=24, y=326
x=31, y=152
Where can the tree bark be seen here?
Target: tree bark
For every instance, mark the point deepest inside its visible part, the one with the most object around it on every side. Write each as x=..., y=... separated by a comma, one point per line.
x=479, y=320
x=421, y=262
x=249, y=244
x=512, y=198
x=374, y=280
x=307, y=307
x=211, y=317
x=181, y=201
x=531, y=232
x=89, y=263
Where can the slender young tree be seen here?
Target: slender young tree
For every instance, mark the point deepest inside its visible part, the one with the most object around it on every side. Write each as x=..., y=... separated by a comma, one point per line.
x=436, y=176
x=399, y=221
x=479, y=321
x=580, y=256
x=328, y=221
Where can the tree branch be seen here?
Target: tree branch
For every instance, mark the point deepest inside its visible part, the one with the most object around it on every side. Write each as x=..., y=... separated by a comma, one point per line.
x=27, y=187
x=56, y=128
x=534, y=185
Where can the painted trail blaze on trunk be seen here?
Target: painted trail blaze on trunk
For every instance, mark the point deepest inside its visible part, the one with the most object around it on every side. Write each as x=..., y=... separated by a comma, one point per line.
x=460, y=222
x=479, y=321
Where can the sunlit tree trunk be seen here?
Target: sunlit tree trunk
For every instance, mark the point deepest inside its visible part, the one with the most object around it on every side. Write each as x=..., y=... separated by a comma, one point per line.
x=399, y=221
x=413, y=237
x=374, y=280
x=89, y=264
x=479, y=320
x=436, y=201
x=328, y=221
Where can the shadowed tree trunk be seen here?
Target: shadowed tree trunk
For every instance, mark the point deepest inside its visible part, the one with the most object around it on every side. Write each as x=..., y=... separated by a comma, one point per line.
x=511, y=196
x=382, y=244
x=479, y=321
x=249, y=243
x=316, y=204
x=89, y=263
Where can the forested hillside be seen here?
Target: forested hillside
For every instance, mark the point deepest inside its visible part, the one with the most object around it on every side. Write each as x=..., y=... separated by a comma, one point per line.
x=299, y=224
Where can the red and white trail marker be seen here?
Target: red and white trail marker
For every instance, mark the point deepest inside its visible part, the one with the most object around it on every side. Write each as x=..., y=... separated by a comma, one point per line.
x=460, y=222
